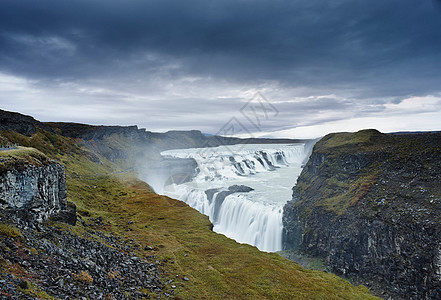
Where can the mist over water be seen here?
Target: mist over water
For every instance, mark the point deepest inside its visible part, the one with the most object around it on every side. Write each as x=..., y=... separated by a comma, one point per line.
x=253, y=217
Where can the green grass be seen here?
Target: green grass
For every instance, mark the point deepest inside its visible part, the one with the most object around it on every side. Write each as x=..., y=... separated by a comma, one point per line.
x=20, y=152
x=335, y=141
x=217, y=266
x=34, y=291
x=337, y=196
x=21, y=157
x=9, y=231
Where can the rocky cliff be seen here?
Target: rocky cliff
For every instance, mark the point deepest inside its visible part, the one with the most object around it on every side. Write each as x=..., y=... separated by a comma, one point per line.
x=17, y=122
x=369, y=205
x=31, y=184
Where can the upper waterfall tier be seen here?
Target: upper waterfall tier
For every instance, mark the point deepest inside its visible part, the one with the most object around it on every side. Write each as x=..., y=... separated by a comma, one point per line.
x=228, y=162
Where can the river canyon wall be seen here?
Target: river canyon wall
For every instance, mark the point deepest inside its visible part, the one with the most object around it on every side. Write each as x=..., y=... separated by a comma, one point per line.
x=369, y=205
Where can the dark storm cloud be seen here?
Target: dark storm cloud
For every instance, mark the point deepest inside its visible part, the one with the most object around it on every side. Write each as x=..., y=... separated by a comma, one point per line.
x=172, y=64
x=383, y=47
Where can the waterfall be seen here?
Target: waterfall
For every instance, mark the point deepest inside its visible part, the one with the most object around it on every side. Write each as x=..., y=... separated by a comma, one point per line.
x=242, y=189
x=252, y=223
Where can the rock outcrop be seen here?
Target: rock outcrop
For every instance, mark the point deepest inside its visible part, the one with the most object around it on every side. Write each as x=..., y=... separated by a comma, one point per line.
x=369, y=205
x=33, y=186
x=17, y=122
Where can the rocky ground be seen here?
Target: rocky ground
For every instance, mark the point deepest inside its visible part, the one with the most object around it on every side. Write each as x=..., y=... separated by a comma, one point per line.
x=38, y=261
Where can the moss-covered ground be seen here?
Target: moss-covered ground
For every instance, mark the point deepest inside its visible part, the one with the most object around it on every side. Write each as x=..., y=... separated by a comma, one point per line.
x=20, y=157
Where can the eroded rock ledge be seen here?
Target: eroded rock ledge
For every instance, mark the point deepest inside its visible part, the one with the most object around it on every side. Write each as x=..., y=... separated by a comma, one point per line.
x=33, y=186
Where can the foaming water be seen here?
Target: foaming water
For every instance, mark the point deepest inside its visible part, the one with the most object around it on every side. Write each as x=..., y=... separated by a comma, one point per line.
x=253, y=217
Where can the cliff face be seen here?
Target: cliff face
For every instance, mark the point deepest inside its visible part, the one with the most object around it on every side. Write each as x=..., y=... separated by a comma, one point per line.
x=17, y=122
x=32, y=185
x=369, y=205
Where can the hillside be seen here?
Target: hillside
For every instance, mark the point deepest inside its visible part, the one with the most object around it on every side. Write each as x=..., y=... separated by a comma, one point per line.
x=128, y=241
x=369, y=205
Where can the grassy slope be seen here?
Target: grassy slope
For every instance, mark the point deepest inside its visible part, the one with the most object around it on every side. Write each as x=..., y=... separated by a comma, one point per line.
x=400, y=169
x=217, y=266
x=21, y=157
x=338, y=188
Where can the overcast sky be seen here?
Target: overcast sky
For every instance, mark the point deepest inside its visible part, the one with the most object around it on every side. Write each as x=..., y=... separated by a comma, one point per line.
x=305, y=67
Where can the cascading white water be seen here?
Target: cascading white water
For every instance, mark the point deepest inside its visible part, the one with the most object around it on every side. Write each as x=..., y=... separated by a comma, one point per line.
x=253, y=217
x=258, y=224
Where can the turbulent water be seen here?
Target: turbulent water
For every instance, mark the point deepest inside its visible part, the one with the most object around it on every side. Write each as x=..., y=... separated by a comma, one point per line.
x=253, y=217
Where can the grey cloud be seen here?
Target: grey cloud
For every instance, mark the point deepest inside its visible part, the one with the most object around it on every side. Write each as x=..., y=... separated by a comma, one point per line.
x=369, y=52
x=257, y=39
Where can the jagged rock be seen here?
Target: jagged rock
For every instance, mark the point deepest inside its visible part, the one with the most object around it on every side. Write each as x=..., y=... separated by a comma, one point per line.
x=39, y=190
x=25, y=125
x=68, y=215
x=240, y=189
